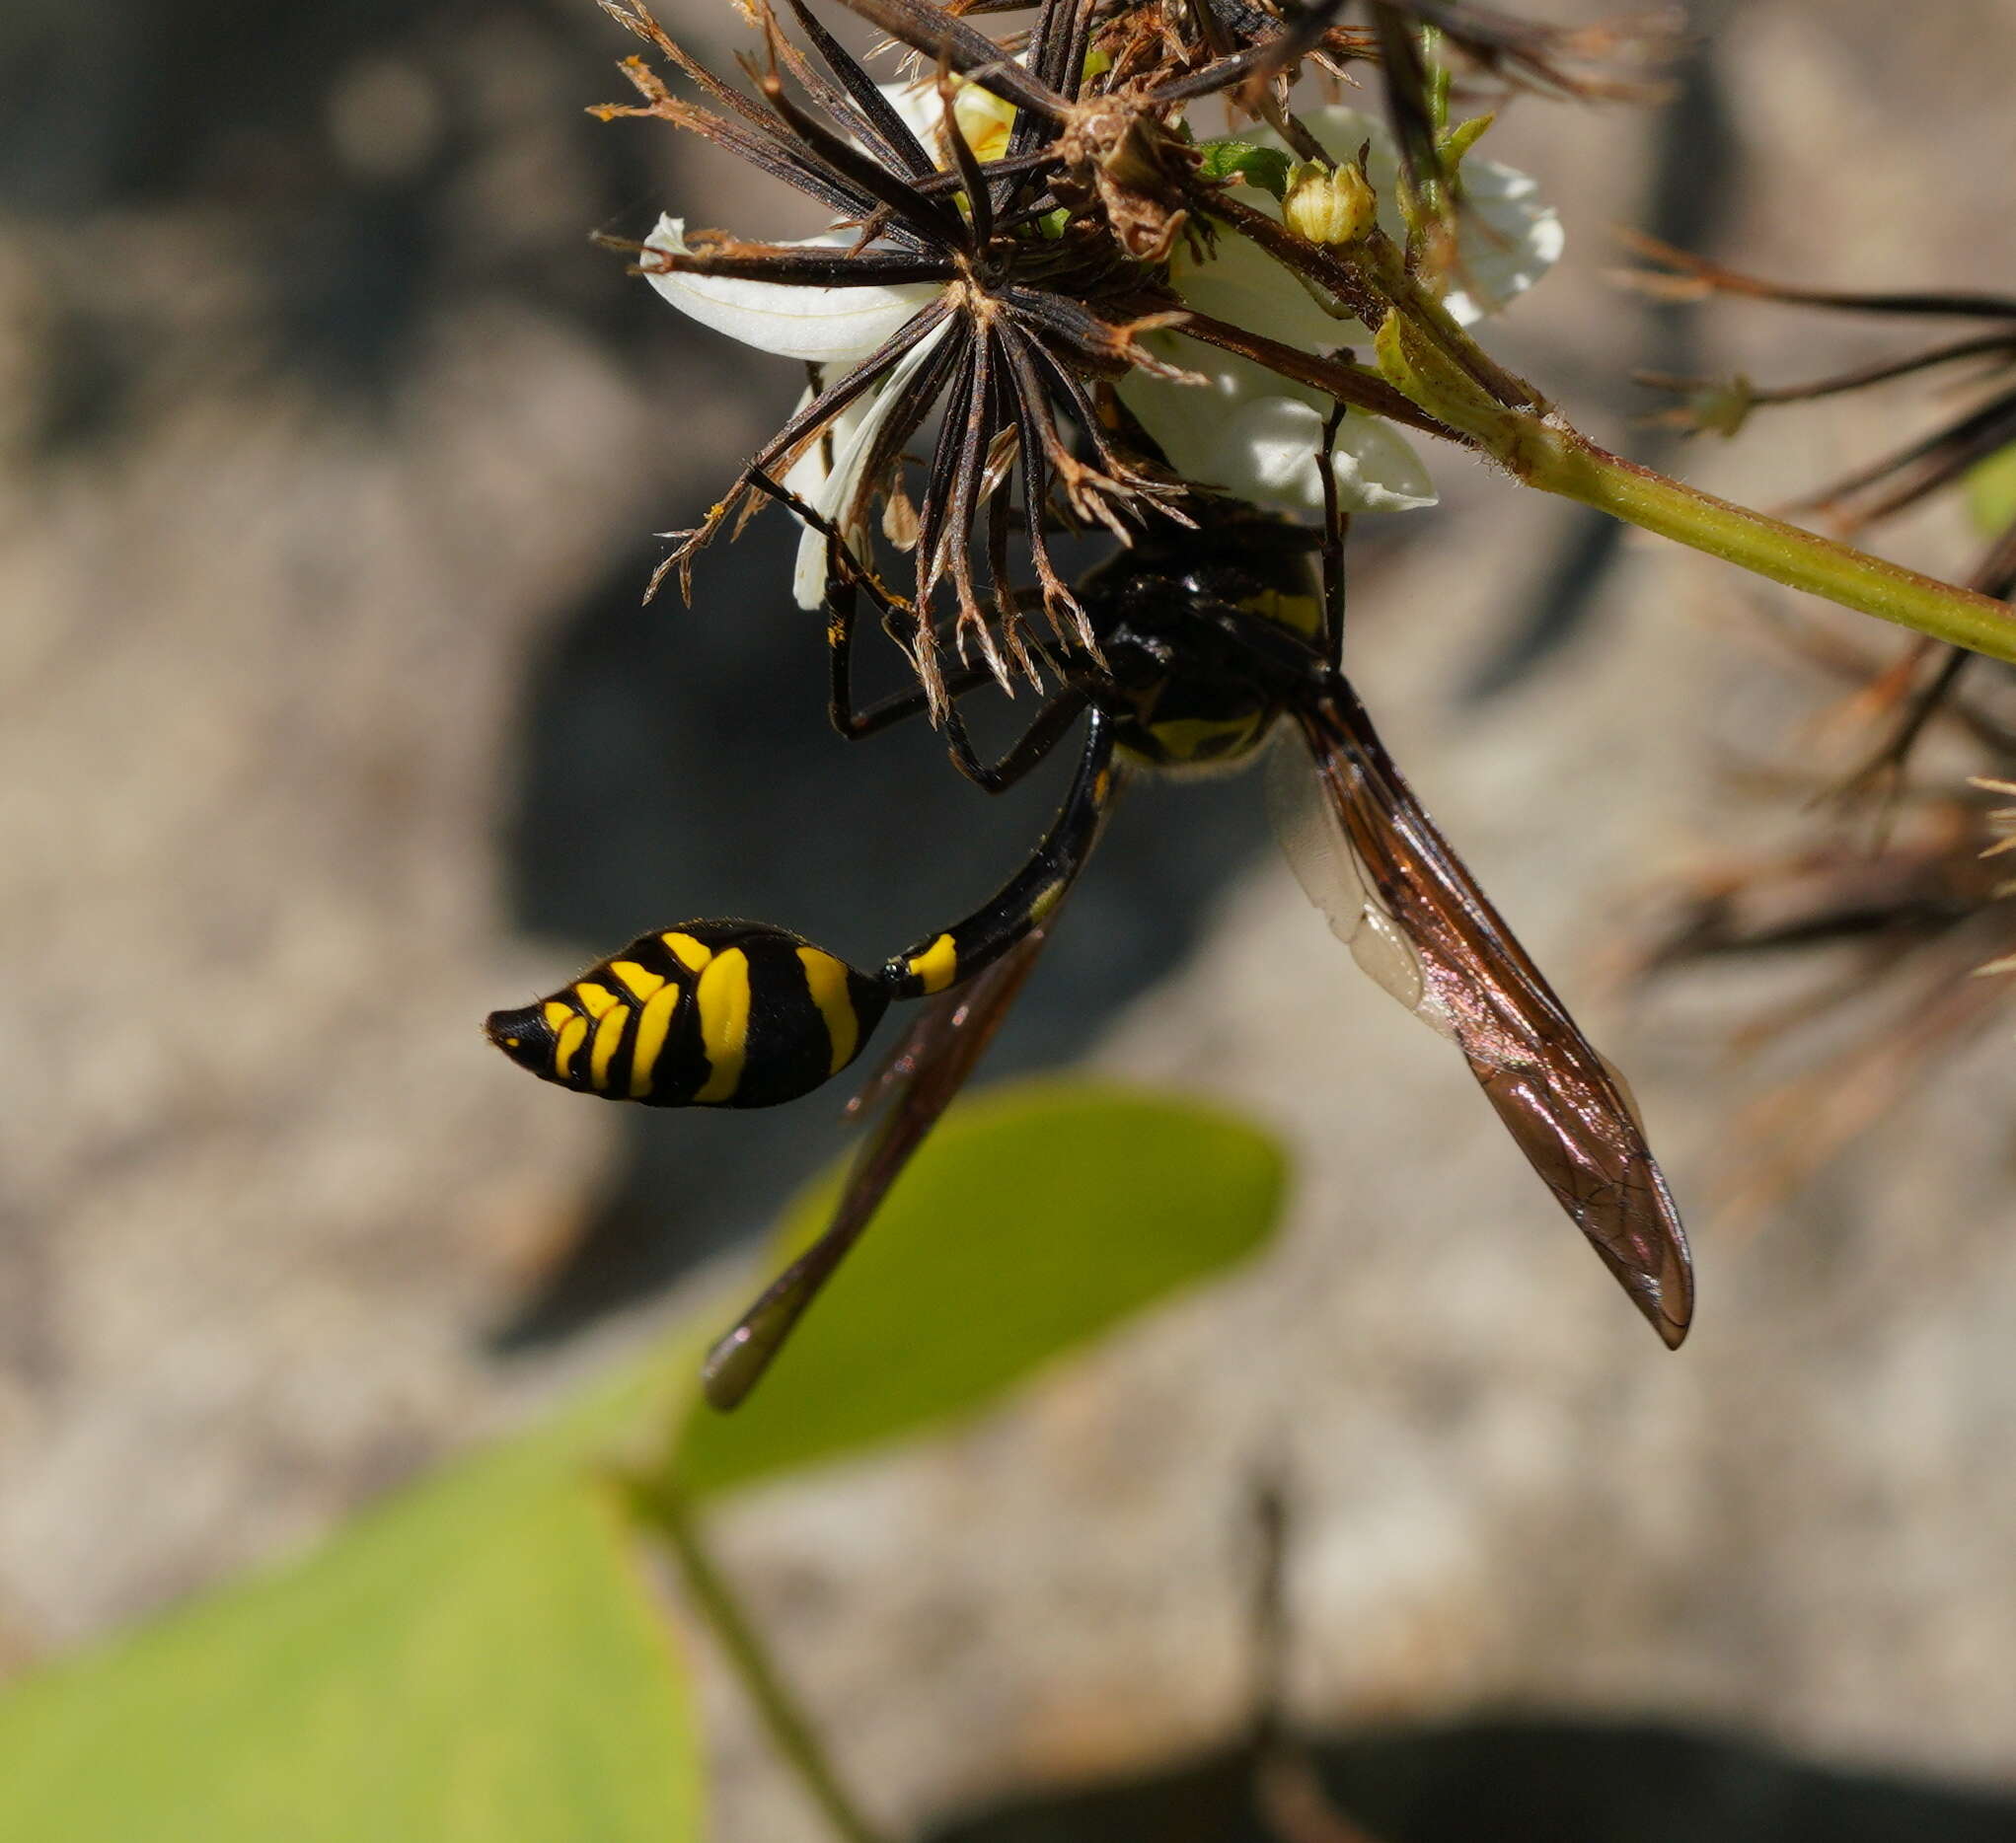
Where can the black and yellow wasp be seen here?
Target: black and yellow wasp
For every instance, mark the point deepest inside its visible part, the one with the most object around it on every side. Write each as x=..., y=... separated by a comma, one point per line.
x=1212, y=641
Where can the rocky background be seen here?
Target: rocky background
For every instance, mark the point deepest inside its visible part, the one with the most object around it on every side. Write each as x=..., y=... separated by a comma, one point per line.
x=333, y=454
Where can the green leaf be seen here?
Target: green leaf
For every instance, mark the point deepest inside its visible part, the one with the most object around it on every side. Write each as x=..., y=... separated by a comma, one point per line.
x=1458, y=141
x=1031, y=1220
x=478, y=1661
x=1991, y=493
x=1264, y=167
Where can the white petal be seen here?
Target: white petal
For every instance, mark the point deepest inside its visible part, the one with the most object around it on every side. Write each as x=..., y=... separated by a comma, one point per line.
x=1241, y=283
x=822, y=325
x=983, y=117
x=1256, y=436
x=1508, y=243
x=916, y=101
x=852, y=438
x=1508, y=240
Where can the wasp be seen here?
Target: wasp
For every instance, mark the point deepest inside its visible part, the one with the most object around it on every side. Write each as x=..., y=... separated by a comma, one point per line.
x=1216, y=643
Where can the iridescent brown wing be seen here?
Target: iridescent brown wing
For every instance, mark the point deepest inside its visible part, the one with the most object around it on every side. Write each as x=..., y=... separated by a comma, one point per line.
x=911, y=1088
x=1397, y=895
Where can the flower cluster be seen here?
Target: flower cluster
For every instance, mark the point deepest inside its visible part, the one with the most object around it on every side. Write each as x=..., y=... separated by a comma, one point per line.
x=1044, y=302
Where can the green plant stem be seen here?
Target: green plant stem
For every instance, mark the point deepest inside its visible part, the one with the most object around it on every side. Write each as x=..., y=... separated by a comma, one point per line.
x=1434, y=365
x=792, y=1730
x=1536, y=444
x=1767, y=547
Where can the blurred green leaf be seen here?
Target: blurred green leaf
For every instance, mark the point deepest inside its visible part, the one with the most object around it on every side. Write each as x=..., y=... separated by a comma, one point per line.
x=1991, y=493
x=480, y=1659
x=1033, y=1220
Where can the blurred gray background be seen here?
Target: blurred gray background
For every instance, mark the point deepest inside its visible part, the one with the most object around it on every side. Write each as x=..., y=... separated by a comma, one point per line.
x=333, y=457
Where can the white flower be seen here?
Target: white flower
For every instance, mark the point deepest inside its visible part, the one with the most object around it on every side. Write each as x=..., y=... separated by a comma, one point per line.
x=1250, y=431
x=822, y=327
x=836, y=327
x=1256, y=435
x=1244, y=429
x=983, y=117
x=850, y=440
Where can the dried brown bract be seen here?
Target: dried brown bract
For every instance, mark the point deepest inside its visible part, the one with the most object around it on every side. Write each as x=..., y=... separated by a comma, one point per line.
x=1037, y=271
x=1925, y=677
x=1039, y=305
x=1903, y=927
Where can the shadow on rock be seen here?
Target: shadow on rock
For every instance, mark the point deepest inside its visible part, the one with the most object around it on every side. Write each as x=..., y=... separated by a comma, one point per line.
x=1507, y=1782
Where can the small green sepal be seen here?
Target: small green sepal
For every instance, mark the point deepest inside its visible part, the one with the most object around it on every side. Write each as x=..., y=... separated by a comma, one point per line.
x=1264, y=167
x=1459, y=139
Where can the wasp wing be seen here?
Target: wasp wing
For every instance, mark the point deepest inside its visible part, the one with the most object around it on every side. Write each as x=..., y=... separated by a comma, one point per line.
x=912, y=1089
x=1368, y=855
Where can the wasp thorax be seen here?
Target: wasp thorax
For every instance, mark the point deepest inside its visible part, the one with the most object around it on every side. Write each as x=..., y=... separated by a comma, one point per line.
x=707, y=1014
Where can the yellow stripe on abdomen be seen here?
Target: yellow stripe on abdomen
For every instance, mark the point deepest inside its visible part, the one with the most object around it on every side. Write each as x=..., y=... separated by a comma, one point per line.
x=654, y=1023
x=572, y=1034
x=595, y=1000
x=639, y=981
x=693, y=955
x=608, y=1036
x=722, y=995
x=826, y=980
x=936, y=966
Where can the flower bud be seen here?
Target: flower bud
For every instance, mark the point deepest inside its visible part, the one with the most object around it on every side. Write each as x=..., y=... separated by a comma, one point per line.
x=1328, y=204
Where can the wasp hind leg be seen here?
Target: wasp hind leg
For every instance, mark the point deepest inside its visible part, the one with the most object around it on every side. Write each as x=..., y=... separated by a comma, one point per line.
x=845, y=577
x=969, y=973
x=855, y=721
x=1032, y=894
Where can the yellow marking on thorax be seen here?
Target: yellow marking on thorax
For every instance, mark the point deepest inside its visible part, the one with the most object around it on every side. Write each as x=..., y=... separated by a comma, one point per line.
x=826, y=980
x=1298, y=613
x=1186, y=738
x=573, y=1032
x=595, y=1000
x=936, y=965
x=655, y=1023
x=641, y=980
x=690, y=953
x=722, y=995
x=557, y=1013
x=608, y=1035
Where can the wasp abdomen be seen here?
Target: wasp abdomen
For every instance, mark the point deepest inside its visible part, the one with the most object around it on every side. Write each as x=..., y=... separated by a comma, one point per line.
x=707, y=1015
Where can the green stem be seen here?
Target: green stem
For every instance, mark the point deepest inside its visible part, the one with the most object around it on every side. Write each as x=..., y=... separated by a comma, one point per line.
x=1767, y=547
x=792, y=1730
x=1539, y=448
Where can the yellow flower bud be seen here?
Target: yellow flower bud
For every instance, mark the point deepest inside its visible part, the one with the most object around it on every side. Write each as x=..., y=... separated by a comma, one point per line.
x=1328, y=204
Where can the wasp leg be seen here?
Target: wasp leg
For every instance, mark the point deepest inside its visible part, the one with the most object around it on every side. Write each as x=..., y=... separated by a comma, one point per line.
x=922, y=1079
x=988, y=956
x=845, y=575
x=854, y=723
x=850, y=719
x=1029, y=897
x=1335, y=524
